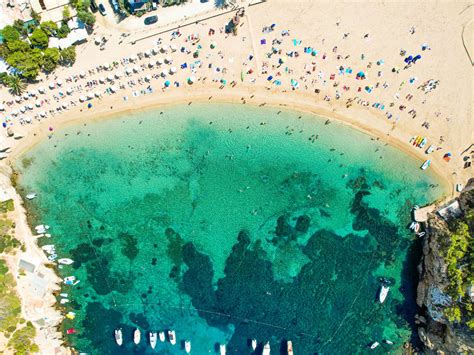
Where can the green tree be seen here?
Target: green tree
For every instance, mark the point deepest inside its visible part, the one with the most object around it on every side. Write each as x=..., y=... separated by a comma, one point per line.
x=39, y=38
x=18, y=24
x=68, y=56
x=66, y=13
x=63, y=31
x=86, y=17
x=50, y=59
x=35, y=16
x=49, y=27
x=21, y=341
x=10, y=33
x=15, y=46
x=28, y=63
x=14, y=84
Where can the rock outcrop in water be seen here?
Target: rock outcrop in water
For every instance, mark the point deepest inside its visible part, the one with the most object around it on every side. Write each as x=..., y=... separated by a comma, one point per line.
x=439, y=332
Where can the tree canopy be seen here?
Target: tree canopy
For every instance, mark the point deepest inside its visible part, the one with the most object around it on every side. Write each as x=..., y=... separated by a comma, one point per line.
x=39, y=38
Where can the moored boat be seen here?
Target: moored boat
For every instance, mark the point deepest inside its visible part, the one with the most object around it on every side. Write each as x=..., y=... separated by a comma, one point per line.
x=31, y=196
x=118, y=336
x=153, y=337
x=222, y=349
x=266, y=349
x=254, y=344
x=172, y=336
x=374, y=345
x=426, y=164
x=187, y=346
x=65, y=261
x=389, y=342
x=161, y=335
x=383, y=293
x=136, y=336
x=289, y=347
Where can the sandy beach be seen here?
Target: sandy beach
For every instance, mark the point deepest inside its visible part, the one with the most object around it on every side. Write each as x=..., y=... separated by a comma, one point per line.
x=303, y=56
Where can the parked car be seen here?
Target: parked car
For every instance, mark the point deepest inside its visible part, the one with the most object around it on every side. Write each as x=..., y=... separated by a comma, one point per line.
x=93, y=6
x=102, y=10
x=115, y=6
x=151, y=20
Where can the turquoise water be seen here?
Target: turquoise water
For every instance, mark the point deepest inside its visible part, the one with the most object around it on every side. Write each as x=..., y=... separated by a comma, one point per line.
x=228, y=223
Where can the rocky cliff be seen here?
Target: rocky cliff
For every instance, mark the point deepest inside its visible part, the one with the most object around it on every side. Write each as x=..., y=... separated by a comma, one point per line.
x=438, y=333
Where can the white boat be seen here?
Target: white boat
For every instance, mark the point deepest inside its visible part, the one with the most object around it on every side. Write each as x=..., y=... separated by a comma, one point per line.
x=383, y=293
x=63, y=300
x=222, y=349
x=162, y=336
x=69, y=280
x=41, y=229
x=374, y=345
x=63, y=295
x=153, y=338
x=49, y=248
x=65, y=261
x=172, y=336
x=266, y=349
x=386, y=341
x=289, y=347
x=426, y=164
x=118, y=337
x=136, y=336
x=187, y=346
x=254, y=344
x=31, y=196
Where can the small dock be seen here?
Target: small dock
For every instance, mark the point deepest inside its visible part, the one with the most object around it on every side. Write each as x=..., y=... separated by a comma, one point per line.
x=421, y=214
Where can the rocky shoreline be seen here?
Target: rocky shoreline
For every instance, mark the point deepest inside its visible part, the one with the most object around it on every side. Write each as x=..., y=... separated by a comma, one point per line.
x=439, y=334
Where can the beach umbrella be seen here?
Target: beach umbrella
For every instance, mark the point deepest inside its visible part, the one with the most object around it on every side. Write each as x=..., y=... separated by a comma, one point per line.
x=133, y=57
x=151, y=64
x=18, y=98
x=163, y=73
x=168, y=60
x=59, y=82
x=14, y=113
x=22, y=109
x=30, y=107
x=173, y=48
x=167, y=83
x=33, y=93
x=69, y=91
x=82, y=98
x=27, y=119
x=51, y=85
x=38, y=103
x=25, y=96
x=159, y=61
x=98, y=94
x=148, y=78
x=213, y=45
x=64, y=106
x=156, y=50
x=118, y=74
x=113, y=88
x=43, y=113
x=98, y=40
x=2, y=108
x=172, y=70
x=90, y=96
x=136, y=68
x=82, y=74
x=128, y=71
x=106, y=65
x=148, y=53
x=191, y=79
x=41, y=89
x=101, y=80
x=89, y=105
x=110, y=77
x=165, y=48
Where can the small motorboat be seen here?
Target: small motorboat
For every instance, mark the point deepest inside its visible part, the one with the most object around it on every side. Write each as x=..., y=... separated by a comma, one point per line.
x=65, y=261
x=254, y=344
x=49, y=248
x=426, y=164
x=386, y=341
x=118, y=336
x=136, y=336
x=415, y=226
x=383, y=293
x=266, y=349
x=161, y=335
x=374, y=345
x=41, y=229
x=31, y=196
x=172, y=336
x=289, y=347
x=187, y=346
x=222, y=349
x=153, y=338
x=69, y=280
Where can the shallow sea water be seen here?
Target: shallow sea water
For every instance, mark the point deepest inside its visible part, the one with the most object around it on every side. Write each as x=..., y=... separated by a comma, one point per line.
x=228, y=223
